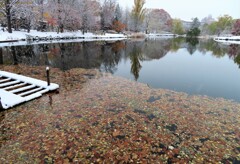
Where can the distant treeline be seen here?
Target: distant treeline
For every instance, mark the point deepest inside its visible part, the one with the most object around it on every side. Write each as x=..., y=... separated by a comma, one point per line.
x=104, y=15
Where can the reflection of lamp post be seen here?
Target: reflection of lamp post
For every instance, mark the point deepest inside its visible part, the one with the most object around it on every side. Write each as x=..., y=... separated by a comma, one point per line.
x=48, y=77
x=1, y=107
x=1, y=56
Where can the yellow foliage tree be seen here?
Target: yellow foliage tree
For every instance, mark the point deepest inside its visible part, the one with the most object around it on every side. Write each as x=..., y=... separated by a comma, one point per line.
x=138, y=13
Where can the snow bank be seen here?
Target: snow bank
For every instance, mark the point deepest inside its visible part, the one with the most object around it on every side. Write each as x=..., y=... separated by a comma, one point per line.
x=16, y=35
x=21, y=35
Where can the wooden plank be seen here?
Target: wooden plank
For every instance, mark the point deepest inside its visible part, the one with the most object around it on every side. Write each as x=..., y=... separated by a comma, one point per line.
x=14, y=86
x=23, y=89
x=9, y=83
x=31, y=91
x=4, y=80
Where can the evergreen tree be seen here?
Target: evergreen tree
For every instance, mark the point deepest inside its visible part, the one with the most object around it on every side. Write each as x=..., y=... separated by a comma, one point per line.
x=196, y=23
x=194, y=31
x=118, y=13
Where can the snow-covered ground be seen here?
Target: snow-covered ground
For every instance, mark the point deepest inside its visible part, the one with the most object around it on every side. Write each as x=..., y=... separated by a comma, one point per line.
x=16, y=38
x=20, y=43
x=21, y=35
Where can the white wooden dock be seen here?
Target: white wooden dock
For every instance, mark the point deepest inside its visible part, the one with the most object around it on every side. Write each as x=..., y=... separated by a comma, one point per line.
x=16, y=89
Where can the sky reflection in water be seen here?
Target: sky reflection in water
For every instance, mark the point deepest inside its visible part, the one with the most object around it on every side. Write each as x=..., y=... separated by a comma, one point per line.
x=200, y=67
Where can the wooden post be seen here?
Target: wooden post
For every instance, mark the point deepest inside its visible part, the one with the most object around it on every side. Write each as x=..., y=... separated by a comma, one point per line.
x=48, y=77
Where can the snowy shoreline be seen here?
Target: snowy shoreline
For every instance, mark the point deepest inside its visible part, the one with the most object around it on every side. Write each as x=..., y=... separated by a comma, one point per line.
x=228, y=39
x=36, y=37
x=20, y=36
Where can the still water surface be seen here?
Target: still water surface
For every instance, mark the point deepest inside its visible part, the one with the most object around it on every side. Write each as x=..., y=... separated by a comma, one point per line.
x=201, y=67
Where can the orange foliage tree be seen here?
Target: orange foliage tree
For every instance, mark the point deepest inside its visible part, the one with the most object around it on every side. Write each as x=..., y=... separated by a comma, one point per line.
x=118, y=26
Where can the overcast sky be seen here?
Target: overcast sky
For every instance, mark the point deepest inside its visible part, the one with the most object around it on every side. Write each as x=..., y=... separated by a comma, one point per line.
x=188, y=9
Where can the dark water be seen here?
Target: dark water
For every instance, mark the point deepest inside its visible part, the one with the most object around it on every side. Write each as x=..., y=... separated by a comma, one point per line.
x=202, y=67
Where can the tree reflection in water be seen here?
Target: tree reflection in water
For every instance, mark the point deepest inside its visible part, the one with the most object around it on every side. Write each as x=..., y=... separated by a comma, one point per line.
x=106, y=56
x=143, y=61
x=192, y=44
x=1, y=55
x=135, y=56
x=234, y=52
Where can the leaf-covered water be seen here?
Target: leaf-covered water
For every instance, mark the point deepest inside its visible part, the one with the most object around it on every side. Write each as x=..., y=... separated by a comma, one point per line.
x=100, y=118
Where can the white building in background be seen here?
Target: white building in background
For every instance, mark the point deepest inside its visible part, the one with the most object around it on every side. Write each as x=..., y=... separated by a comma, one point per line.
x=187, y=24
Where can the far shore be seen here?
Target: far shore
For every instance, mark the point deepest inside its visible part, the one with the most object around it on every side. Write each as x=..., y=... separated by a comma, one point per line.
x=54, y=37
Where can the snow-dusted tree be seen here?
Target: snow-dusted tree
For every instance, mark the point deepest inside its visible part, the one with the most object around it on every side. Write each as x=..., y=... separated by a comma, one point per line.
x=24, y=14
x=118, y=13
x=126, y=18
x=196, y=23
x=147, y=20
x=159, y=21
x=107, y=14
x=65, y=13
x=6, y=8
x=89, y=12
x=85, y=12
x=118, y=24
x=236, y=28
x=194, y=31
x=60, y=15
x=41, y=6
x=138, y=13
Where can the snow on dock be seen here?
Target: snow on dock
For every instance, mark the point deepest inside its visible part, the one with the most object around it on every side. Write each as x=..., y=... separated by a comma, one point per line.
x=16, y=89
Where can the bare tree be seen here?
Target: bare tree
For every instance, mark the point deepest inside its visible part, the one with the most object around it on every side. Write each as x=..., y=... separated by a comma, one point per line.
x=6, y=7
x=126, y=18
x=159, y=20
x=107, y=14
x=89, y=12
x=24, y=14
x=65, y=13
x=147, y=21
x=40, y=5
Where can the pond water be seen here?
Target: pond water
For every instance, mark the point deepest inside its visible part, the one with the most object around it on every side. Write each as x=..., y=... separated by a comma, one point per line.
x=202, y=67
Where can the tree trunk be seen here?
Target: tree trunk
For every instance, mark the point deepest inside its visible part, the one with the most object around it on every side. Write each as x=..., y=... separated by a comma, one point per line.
x=8, y=13
x=60, y=25
x=29, y=26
